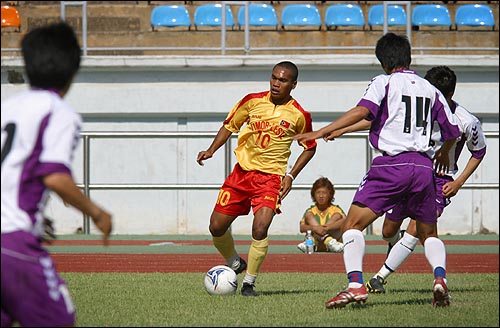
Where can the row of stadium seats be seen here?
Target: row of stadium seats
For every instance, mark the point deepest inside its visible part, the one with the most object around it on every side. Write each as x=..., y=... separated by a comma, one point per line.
x=307, y=15
x=11, y=18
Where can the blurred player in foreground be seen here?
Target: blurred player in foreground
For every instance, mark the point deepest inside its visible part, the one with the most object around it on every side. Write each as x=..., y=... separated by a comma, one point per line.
x=39, y=135
x=259, y=180
x=402, y=107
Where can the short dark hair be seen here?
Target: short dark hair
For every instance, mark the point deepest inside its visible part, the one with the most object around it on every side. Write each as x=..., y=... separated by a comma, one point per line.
x=326, y=183
x=393, y=51
x=443, y=78
x=51, y=56
x=289, y=66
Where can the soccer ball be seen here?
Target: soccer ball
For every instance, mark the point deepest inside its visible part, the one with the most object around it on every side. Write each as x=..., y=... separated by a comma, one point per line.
x=221, y=280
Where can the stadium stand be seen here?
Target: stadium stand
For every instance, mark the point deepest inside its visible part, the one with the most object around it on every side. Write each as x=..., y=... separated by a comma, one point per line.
x=259, y=15
x=344, y=15
x=430, y=15
x=474, y=15
x=126, y=27
x=211, y=15
x=170, y=16
x=11, y=18
x=396, y=15
x=300, y=15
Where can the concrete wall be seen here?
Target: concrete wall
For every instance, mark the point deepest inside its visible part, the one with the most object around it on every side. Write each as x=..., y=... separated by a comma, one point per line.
x=194, y=94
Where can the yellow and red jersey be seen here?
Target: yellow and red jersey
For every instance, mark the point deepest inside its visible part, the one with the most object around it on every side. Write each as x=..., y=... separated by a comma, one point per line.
x=264, y=142
x=323, y=217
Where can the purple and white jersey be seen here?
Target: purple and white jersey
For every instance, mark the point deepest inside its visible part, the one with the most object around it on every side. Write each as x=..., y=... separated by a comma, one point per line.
x=39, y=135
x=472, y=136
x=403, y=107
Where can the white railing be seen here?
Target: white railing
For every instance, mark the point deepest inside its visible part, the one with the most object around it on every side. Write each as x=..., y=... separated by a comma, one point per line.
x=87, y=185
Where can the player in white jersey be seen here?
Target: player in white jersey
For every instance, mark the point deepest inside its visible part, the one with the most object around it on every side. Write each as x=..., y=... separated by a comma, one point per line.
x=402, y=108
x=39, y=135
x=443, y=78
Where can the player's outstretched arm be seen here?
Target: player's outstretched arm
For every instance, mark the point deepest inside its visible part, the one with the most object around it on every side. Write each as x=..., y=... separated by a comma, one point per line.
x=347, y=119
x=451, y=188
x=218, y=141
x=64, y=185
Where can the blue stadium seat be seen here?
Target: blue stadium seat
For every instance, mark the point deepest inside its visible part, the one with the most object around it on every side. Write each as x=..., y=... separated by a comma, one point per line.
x=300, y=15
x=396, y=15
x=259, y=14
x=430, y=15
x=170, y=16
x=344, y=15
x=474, y=15
x=211, y=15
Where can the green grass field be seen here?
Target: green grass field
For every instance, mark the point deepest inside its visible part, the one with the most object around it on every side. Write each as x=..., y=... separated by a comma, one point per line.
x=286, y=300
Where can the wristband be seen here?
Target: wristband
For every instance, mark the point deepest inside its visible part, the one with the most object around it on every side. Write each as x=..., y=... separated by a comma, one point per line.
x=290, y=175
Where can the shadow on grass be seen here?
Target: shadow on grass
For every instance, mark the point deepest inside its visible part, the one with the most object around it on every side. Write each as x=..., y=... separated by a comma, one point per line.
x=415, y=301
x=289, y=292
x=429, y=290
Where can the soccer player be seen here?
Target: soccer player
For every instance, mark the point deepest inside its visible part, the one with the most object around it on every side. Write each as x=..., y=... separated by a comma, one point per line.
x=40, y=132
x=402, y=108
x=266, y=122
x=324, y=219
x=444, y=79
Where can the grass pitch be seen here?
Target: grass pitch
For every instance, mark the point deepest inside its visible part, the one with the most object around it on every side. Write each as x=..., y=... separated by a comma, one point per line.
x=286, y=300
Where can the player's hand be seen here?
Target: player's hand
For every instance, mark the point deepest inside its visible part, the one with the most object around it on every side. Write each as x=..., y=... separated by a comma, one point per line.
x=442, y=163
x=286, y=186
x=320, y=230
x=49, y=231
x=104, y=223
x=451, y=188
x=303, y=137
x=331, y=136
x=203, y=155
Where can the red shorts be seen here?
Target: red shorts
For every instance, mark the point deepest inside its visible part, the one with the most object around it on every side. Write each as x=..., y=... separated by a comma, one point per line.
x=243, y=190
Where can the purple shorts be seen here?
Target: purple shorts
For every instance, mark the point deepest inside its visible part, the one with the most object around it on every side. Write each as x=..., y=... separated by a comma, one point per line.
x=399, y=212
x=33, y=294
x=405, y=180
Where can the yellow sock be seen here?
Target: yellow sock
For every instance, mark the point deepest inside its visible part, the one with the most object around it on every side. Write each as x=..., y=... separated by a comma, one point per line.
x=225, y=245
x=256, y=255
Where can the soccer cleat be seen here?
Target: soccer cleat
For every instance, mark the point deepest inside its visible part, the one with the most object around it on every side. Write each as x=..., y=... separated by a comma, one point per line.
x=302, y=246
x=349, y=295
x=375, y=285
x=247, y=290
x=335, y=247
x=242, y=266
x=441, y=296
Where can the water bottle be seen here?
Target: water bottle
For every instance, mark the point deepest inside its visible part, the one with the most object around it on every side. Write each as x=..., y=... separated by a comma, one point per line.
x=309, y=242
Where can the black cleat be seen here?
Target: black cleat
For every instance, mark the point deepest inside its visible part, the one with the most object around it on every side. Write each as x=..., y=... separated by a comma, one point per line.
x=376, y=285
x=247, y=290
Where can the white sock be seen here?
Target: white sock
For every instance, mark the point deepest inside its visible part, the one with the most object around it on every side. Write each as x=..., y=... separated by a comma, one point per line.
x=354, y=251
x=398, y=254
x=249, y=279
x=435, y=252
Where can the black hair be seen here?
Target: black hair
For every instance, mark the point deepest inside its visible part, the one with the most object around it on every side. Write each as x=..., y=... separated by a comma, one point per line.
x=51, y=56
x=393, y=51
x=326, y=183
x=291, y=67
x=443, y=78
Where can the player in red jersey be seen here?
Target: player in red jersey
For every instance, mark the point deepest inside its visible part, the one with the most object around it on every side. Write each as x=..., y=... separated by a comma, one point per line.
x=266, y=123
